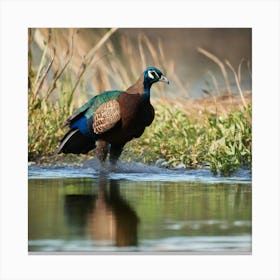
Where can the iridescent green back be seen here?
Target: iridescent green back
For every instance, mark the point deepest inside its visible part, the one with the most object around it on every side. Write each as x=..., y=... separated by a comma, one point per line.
x=91, y=106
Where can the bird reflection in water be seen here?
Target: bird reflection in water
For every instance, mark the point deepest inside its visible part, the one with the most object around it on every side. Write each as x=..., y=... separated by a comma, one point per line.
x=107, y=217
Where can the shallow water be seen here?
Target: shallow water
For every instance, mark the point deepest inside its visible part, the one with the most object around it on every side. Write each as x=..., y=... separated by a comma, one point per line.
x=138, y=208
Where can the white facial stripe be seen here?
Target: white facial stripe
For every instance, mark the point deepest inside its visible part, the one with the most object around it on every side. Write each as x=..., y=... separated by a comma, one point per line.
x=152, y=73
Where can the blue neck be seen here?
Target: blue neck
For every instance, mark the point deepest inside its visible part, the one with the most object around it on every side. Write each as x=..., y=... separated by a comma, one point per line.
x=147, y=87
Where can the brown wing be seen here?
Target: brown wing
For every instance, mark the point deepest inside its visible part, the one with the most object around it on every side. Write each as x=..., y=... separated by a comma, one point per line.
x=106, y=116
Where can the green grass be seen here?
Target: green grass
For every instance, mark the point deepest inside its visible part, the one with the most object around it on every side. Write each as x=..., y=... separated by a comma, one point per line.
x=44, y=128
x=221, y=142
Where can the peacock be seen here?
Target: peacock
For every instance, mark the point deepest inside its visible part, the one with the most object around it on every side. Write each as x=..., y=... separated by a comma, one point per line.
x=112, y=119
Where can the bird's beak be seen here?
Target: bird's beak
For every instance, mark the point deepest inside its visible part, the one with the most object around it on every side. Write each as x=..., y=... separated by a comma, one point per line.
x=163, y=79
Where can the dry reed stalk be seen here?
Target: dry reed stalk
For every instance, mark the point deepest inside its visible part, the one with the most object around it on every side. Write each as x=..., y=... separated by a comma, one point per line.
x=41, y=65
x=39, y=84
x=30, y=72
x=132, y=59
x=89, y=57
x=239, y=69
x=151, y=49
x=237, y=83
x=161, y=52
x=141, y=51
x=214, y=80
x=57, y=75
x=91, y=54
x=220, y=64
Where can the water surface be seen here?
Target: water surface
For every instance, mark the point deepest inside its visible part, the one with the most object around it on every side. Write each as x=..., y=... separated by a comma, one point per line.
x=138, y=209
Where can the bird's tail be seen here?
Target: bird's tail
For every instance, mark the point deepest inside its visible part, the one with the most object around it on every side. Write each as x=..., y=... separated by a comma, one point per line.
x=74, y=142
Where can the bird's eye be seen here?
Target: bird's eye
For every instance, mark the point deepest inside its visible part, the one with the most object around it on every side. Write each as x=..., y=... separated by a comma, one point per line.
x=152, y=74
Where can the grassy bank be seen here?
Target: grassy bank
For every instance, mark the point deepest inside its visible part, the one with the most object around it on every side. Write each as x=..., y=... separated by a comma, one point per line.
x=214, y=131
x=222, y=142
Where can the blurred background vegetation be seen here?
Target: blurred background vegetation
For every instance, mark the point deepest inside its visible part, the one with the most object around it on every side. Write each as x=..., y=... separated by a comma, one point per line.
x=203, y=118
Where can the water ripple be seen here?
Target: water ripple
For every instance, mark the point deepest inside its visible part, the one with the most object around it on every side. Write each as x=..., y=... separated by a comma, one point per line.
x=136, y=172
x=199, y=244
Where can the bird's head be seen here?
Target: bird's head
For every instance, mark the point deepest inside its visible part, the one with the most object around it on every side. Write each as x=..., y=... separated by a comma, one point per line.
x=153, y=75
x=150, y=76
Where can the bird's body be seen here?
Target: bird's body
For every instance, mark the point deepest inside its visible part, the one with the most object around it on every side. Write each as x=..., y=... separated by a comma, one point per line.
x=111, y=118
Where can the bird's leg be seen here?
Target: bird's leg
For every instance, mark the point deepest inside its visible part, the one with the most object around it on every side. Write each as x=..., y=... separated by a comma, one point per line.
x=115, y=152
x=102, y=151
